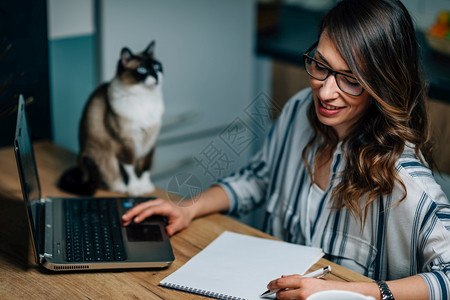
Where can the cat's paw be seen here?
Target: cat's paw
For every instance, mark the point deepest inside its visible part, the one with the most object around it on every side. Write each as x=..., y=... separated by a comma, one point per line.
x=141, y=185
x=140, y=188
x=119, y=186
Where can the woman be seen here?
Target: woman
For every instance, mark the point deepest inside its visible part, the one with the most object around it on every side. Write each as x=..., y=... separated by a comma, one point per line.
x=344, y=168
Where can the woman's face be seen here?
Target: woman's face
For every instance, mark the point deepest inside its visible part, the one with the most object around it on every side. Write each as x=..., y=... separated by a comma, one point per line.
x=334, y=107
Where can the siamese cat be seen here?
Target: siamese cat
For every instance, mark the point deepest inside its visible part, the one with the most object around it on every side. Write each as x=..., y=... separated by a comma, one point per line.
x=119, y=128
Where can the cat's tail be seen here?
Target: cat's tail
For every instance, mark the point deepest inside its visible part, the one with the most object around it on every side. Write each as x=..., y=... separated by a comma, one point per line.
x=80, y=182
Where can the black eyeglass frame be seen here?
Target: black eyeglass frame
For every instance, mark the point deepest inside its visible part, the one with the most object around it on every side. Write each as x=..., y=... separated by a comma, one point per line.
x=329, y=69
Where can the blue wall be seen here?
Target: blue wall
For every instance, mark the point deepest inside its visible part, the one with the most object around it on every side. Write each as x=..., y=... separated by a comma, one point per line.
x=72, y=79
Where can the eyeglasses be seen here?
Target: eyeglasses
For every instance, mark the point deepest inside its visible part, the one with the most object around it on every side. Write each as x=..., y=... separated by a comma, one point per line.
x=320, y=71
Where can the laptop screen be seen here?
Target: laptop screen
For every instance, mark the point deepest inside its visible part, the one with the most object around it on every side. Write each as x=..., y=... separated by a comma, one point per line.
x=28, y=172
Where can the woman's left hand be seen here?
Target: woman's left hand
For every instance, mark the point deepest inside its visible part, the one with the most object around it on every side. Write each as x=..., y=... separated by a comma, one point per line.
x=297, y=287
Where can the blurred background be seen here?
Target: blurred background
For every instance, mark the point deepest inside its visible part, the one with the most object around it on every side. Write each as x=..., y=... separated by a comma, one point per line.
x=230, y=65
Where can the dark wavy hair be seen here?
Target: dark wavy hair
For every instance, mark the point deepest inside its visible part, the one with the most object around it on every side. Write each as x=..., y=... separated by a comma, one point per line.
x=378, y=42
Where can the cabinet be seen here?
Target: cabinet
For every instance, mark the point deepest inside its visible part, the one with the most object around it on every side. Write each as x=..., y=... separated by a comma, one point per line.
x=288, y=79
x=440, y=131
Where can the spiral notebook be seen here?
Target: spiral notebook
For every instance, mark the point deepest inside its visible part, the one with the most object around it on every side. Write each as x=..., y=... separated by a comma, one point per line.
x=237, y=266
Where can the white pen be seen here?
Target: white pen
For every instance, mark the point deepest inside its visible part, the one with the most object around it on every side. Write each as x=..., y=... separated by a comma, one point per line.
x=315, y=274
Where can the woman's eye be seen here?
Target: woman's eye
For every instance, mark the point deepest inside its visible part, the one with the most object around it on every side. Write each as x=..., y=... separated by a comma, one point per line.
x=319, y=67
x=142, y=70
x=351, y=81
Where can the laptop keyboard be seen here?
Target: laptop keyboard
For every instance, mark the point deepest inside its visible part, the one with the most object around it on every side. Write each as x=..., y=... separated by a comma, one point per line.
x=93, y=231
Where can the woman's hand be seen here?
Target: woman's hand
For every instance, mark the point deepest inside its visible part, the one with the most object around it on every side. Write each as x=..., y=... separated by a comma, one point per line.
x=297, y=287
x=178, y=217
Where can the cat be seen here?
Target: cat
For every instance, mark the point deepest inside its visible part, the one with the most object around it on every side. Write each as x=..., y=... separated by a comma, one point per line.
x=119, y=128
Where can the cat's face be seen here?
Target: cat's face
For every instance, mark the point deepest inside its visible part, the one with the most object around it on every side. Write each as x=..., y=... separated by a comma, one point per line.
x=140, y=68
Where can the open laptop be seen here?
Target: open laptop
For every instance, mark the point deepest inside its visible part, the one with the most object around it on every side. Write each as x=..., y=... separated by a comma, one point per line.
x=74, y=234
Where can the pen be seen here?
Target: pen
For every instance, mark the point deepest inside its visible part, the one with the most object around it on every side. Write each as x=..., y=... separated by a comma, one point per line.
x=315, y=274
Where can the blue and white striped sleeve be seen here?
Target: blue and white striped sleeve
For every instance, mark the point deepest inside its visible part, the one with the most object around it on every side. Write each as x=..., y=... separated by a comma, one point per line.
x=436, y=231
x=429, y=230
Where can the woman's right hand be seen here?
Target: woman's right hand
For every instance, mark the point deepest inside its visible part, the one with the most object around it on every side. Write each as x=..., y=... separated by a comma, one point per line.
x=178, y=217
x=180, y=214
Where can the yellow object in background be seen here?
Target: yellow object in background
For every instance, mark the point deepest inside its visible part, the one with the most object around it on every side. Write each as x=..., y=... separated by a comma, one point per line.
x=443, y=18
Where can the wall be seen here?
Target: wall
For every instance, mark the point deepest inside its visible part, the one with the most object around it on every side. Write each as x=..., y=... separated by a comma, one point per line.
x=72, y=64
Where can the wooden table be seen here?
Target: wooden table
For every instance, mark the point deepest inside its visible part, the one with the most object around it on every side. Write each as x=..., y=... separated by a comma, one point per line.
x=20, y=278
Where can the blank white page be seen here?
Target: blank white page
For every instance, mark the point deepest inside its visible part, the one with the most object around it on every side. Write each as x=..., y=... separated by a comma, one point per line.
x=237, y=266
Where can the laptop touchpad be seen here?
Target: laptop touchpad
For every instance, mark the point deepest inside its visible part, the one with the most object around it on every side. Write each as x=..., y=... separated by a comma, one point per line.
x=144, y=233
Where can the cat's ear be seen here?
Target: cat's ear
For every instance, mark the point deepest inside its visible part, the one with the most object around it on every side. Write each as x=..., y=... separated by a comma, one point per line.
x=126, y=55
x=150, y=48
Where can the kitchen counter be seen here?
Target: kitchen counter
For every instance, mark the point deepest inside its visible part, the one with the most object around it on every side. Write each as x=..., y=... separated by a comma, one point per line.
x=297, y=30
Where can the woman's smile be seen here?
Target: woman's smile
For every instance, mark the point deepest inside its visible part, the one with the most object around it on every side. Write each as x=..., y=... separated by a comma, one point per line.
x=329, y=109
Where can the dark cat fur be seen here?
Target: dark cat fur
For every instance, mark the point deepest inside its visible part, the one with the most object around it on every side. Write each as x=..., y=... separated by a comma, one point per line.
x=118, y=129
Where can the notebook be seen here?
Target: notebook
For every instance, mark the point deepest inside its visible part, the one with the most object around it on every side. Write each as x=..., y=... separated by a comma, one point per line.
x=237, y=266
x=75, y=234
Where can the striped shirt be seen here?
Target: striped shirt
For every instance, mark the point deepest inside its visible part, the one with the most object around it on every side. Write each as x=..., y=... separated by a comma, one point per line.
x=398, y=239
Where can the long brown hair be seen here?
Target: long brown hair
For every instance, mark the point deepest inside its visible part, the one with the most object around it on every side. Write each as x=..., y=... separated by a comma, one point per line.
x=378, y=42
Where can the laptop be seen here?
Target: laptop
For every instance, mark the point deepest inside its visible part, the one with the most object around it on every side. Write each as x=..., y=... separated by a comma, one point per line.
x=85, y=233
